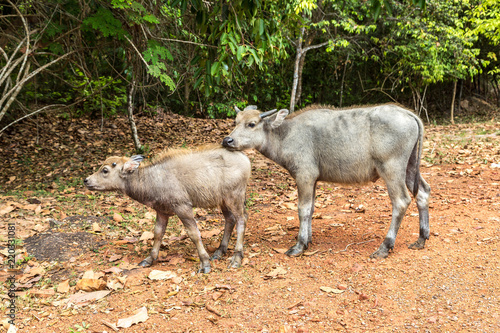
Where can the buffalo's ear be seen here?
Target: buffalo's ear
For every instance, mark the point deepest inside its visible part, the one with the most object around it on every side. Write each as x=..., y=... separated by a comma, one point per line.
x=280, y=116
x=131, y=165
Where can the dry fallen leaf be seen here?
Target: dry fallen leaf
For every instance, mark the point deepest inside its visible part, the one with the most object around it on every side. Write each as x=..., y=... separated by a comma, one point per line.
x=83, y=297
x=90, y=285
x=6, y=209
x=96, y=227
x=117, y=217
x=161, y=275
x=210, y=233
x=331, y=290
x=43, y=293
x=115, y=257
x=146, y=235
x=275, y=272
x=140, y=316
x=63, y=287
x=113, y=269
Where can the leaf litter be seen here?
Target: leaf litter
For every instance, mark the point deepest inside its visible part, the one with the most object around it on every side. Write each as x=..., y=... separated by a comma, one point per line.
x=410, y=290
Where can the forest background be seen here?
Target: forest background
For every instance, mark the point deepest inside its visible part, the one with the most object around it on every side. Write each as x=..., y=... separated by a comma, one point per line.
x=201, y=58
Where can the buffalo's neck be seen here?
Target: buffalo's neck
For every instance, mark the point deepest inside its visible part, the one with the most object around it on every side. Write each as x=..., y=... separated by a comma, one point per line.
x=141, y=187
x=273, y=147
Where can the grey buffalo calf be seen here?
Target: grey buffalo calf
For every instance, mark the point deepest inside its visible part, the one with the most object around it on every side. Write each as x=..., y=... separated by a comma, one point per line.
x=354, y=145
x=174, y=183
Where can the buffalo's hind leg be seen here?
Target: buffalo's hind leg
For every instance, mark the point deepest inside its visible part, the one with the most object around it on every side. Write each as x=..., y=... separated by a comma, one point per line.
x=400, y=199
x=185, y=214
x=422, y=199
x=241, y=221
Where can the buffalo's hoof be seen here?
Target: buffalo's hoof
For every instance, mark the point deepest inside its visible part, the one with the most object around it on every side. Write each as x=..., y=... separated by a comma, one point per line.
x=296, y=250
x=204, y=270
x=418, y=245
x=217, y=255
x=235, y=261
x=145, y=263
x=380, y=254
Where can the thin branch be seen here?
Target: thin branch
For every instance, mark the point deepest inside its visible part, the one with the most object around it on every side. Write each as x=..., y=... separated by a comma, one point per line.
x=13, y=92
x=35, y=112
x=184, y=41
x=136, y=50
x=304, y=50
x=371, y=240
x=27, y=52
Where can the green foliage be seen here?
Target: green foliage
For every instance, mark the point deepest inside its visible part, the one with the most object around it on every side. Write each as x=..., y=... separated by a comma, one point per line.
x=104, y=22
x=155, y=55
x=485, y=20
x=105, y=93
x=425, y=48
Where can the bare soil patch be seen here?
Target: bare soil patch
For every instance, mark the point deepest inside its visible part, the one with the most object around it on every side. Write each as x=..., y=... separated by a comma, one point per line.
x=450, y=286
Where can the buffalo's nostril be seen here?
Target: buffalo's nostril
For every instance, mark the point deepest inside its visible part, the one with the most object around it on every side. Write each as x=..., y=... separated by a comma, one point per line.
x=227, y=141
x=85, y=181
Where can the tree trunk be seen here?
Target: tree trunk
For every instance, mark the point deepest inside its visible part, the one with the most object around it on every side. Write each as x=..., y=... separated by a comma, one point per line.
x=342, y=82
x=296, y=71
x=308, y=41
x=130, y=111
x=187, y=92
x=460, y=94
x=299, y=80
x=453, y=102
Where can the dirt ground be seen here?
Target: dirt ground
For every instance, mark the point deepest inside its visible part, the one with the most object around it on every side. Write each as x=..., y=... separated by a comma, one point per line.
x=450, y=286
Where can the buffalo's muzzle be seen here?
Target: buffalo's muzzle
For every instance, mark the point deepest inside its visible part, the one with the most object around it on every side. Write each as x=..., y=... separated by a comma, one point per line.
x=228, y=142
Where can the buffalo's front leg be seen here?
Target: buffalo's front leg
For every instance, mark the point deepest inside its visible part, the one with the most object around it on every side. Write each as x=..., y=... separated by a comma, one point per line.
x=185, y=213
x=161, y=225
x=306, y=192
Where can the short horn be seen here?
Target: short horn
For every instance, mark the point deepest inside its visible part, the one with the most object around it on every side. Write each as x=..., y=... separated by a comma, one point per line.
x=237, y=109
x=137, y=158
x=267, y=113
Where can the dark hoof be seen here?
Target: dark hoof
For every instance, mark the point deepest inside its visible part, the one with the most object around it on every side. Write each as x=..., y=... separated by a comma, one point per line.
x=296, y=250
x=204, y=270
x=380, y=254
x=145, y=263
x=418, y=245
x=217, y=255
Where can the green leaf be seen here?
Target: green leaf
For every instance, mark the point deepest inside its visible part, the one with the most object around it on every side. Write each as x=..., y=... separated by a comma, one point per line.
x=376, y=7
x=240, y=52
x=151, y=19
x=215, y=68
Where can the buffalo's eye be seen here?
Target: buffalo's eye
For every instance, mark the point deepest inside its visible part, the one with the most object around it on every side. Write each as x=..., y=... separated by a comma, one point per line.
x=114, y=164
x=251, y=125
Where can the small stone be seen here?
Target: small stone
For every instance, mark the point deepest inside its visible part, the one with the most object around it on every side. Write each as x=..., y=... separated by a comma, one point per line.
x=363, y=296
